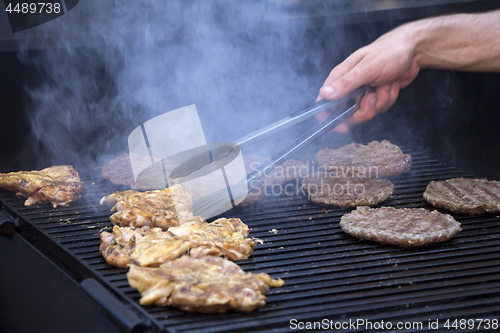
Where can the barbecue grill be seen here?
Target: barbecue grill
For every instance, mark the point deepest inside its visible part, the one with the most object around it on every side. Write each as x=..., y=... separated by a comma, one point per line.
x=328, y=274
x=53, y=278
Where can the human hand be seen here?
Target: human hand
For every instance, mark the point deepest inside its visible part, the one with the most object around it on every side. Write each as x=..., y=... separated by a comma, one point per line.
x=387, y=64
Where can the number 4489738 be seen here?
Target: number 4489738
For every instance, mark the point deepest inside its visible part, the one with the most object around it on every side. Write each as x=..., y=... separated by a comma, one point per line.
x=40, y=7
x=472, y=324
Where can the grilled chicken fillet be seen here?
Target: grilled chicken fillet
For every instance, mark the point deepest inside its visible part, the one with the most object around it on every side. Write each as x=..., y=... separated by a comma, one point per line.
x=140, y=246
x=152, y=247
x=207, y=284
x=58, y=185
x=157, y=208
x=223, y=237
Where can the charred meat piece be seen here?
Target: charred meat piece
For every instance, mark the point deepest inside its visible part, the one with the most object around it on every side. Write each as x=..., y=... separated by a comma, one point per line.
x=207, y=284
x=223, y=237
x=326, y=188
x=140, y=246
x=404, y=227
x=464, y=195
x=58, y=185
x=376, y=159
x=157, y=208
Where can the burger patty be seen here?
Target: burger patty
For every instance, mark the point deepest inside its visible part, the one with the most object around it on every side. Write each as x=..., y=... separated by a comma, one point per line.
x=327, y=188
x=375, y=159
x=465, y=196
x=404, y=227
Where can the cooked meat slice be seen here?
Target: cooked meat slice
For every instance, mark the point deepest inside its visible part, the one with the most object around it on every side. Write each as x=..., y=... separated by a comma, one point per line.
x=327, y=188
x=464, y=195
x=157, y=208
x=140, y=246
x=403, y=227
x=58, y=185
x=223, y=237
x=207, y=284
x=376, y=159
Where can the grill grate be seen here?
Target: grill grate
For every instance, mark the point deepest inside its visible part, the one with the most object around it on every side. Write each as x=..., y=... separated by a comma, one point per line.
x=328, y=274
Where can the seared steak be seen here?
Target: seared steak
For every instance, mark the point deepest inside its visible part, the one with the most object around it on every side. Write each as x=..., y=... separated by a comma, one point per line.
x=465, y=196
x=376, y=159
x=402, y=227
x=207, y=284
x=327, y=188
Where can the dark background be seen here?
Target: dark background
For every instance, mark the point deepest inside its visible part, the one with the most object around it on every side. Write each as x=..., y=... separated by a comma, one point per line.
x=451, y=114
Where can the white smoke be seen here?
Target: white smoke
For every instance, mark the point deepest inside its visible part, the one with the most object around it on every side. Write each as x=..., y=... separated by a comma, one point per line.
x=117, y=64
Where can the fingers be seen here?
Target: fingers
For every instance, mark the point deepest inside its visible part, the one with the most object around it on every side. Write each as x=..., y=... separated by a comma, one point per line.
x=344, y=78
x=343, y=128
x=367, y=109
x=387, y=96
x=373, y=103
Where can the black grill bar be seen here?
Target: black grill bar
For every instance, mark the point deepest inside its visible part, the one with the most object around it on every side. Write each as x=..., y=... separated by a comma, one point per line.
x=328, y=274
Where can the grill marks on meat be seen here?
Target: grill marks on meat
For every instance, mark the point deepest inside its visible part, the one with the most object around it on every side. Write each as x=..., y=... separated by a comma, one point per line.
x=140, y=246
x=223, y=237
x=377, y=159
x=157, y=208
x=464, y=195
x=404, y=227
x=152, y=247
x=208, y=284
x=58, y=185
x=327, y=188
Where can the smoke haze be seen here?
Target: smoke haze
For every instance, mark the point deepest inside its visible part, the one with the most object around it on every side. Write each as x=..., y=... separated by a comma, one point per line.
x=118, y=64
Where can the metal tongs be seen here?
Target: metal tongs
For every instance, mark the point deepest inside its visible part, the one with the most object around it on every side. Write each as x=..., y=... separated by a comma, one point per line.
x=340, y=110
x=213, y=204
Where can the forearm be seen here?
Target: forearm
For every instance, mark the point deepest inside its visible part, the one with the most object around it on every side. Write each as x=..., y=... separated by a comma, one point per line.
x=463, y=42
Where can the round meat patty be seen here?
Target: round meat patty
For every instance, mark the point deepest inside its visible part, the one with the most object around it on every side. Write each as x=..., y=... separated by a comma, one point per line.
x=327, y=188
x=404, y=227
x=376, y=159
x=464, y=195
